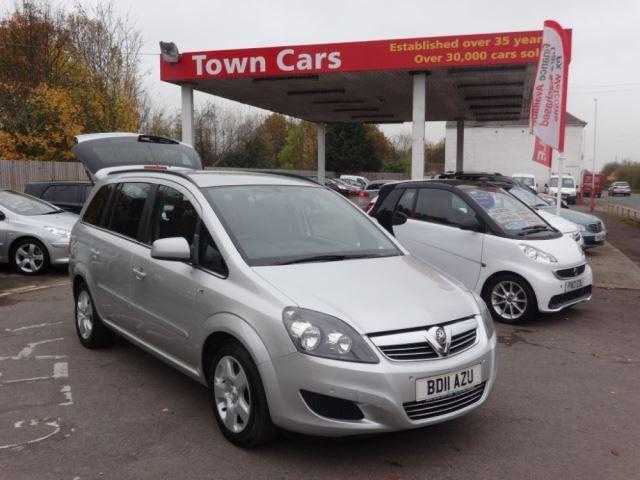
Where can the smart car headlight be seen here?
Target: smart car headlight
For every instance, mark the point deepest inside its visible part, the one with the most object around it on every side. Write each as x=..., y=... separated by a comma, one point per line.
x=485, y=315
x=537, y=255
x=321, y=335
x=58, y=232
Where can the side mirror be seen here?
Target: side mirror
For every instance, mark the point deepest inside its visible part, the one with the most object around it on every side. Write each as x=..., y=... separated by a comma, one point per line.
x=399, y=218
x=564, y=204
x=2, y=216
x=173, y=248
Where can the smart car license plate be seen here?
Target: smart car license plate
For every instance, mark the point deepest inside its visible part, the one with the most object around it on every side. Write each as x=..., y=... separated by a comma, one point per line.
x=572, y=285
x=434, y=387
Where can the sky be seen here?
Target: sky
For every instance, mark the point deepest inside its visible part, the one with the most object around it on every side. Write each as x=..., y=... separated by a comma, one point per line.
x=606, y=43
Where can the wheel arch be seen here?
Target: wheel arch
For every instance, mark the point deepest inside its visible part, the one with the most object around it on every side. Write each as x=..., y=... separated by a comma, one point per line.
x=15, y=241
x=225, y=327
x=491, y=277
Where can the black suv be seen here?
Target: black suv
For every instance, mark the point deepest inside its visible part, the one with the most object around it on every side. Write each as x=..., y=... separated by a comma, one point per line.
x=68, y=196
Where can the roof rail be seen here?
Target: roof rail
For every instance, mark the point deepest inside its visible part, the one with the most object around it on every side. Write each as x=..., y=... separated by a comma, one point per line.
x=179, y=173
x=287, y=174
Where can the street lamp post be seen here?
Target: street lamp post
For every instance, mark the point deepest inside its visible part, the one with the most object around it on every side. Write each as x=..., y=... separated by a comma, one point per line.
x=592, y=203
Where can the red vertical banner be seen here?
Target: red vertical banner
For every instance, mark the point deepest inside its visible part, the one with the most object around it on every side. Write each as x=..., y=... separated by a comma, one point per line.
x=549, y=100
x=542, y=153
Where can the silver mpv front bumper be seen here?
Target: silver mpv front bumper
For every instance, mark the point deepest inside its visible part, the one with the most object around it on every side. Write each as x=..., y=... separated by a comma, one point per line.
x=381, y=391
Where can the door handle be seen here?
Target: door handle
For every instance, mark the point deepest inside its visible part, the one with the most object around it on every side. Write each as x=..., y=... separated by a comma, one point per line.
x=139, y=273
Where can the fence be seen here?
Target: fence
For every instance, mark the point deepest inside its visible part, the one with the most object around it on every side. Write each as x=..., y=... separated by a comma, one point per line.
x=15, y=174
x=623, y=211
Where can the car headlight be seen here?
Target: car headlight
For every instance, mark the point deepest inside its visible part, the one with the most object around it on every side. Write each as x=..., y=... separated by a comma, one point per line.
x=485, y=315
x=537, y=255
x=321, y=335
x=58, y=232
x=576, y=236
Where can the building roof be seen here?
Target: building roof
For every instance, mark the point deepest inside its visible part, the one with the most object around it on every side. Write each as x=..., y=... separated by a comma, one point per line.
x=572, y=120
x=476, y=77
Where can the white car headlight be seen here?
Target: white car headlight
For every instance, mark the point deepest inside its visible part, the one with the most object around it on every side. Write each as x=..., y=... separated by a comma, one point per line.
x=485, y=315
x=537, y=255
x=321, y=335
x=58, y=232
x=577, y=236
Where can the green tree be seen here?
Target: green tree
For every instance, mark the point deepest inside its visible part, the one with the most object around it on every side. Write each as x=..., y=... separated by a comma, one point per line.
x=350, y=148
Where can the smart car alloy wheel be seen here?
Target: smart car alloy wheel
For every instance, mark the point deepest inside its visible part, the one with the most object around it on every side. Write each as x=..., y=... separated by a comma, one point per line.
x=509, y=300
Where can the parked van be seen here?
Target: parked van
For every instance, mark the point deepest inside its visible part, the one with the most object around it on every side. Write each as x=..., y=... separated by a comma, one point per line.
x=245, y=282
x=568, y=189
x=490, y=241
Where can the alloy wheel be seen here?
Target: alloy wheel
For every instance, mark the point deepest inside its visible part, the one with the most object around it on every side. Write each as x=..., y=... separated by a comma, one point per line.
x=29, y=257
x=84, y=314
x=509, y=300
x=232, y=394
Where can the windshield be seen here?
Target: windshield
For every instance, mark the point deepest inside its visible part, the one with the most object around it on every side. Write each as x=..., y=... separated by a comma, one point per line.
x=528, y=197
x=276, y=225
x=23, y=204
x=621, y=184
x=509, y=213
x=566, y=182
x=525, y=180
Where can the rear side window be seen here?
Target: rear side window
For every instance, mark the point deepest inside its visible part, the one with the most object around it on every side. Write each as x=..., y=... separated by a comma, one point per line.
x=173, y=215
x=94, y=212
x=61, y=193
x=405, y=205
x=127, y=208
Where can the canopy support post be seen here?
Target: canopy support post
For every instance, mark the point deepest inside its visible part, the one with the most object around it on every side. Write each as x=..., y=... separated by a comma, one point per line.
x=460, y=145
x=186, y=94
x=321, y=130
x=419, y=119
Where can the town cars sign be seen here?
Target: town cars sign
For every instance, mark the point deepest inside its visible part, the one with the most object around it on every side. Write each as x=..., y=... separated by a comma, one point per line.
x=511, y=48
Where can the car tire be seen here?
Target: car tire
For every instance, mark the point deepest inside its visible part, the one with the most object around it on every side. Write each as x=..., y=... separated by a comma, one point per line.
x=92, y=333
x=519, y=305
x=238, y=399
x=29, y=256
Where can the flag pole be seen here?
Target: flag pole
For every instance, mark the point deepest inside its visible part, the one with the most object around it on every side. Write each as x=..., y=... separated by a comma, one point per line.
x=561, y=159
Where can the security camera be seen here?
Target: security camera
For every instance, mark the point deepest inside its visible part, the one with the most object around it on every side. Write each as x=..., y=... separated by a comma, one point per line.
x=169, y=52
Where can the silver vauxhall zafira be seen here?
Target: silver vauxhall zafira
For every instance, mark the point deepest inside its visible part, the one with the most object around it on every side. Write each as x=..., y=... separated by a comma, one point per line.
x=291, y=304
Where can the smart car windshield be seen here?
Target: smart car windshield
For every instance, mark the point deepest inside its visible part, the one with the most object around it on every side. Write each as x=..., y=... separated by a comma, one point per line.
x=278, y=225
x=25, y=204
x=509, y=213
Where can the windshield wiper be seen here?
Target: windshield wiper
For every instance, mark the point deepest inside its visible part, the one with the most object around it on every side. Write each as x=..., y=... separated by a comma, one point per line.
x=532, y=229
x=330, y=257
x=53, y=211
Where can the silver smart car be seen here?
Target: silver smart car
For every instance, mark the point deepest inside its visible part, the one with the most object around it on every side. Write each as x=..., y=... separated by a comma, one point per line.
x=294, y=307
x=33, y=234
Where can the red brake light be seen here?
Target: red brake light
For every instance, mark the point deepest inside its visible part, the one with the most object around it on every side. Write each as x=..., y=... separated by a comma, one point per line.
x=363, y=193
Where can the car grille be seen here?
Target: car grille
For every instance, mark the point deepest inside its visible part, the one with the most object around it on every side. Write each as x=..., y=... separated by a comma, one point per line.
x=564, y=298
x=424, y=351
x=571, y=272
x=595, y=227
x=441, y=406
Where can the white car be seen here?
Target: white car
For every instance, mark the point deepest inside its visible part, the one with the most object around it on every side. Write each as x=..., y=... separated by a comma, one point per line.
x=355, y=180
x=527, y=179
x=489, y=241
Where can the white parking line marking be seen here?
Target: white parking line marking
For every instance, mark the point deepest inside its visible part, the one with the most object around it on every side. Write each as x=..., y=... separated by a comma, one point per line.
x=28, y=350
x=50, y=357
x=29, y=327
x=33, y=288
x=52, y=423
x=60, y=370
x=18, y=424
x=20, y=380
x=66, y=391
